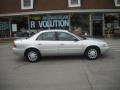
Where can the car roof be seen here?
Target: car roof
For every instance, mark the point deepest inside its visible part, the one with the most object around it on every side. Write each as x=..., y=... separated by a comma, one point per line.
x=50, y=30
x=54, y=30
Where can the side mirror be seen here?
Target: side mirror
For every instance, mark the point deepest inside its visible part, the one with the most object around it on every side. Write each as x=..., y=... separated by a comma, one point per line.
x=76, y=39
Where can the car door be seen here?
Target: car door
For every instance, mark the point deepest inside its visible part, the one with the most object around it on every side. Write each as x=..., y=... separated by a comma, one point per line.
x=68, y=44
x=47, y=44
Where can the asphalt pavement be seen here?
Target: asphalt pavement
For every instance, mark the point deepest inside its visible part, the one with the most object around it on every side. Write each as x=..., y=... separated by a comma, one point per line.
x=61, y=73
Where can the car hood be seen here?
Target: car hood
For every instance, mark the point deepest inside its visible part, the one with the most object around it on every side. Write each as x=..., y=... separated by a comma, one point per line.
x=94, y=41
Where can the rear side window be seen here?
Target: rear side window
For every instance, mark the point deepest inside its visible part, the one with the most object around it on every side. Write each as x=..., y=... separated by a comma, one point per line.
x=62, y=36
x=47, y=36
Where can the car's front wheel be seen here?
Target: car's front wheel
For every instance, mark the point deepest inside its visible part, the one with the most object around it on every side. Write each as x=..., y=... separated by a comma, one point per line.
x=92, y=53
x=32, y=55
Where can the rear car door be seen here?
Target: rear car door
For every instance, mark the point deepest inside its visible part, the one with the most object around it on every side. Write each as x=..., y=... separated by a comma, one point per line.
x=47, y=43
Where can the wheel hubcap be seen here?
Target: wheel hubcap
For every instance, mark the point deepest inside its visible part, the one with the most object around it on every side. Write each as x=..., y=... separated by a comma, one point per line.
x=32, y=56
x=92, y=53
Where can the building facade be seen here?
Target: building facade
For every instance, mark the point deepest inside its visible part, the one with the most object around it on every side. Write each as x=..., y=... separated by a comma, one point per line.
x=91, y=17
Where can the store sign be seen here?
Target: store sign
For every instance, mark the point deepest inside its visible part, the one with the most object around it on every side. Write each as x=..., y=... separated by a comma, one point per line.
x=14, y=27
x=49, y=22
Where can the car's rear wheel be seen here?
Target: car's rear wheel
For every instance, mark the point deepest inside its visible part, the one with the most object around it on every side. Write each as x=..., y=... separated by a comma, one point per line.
x=32, y=55
x=92, y=53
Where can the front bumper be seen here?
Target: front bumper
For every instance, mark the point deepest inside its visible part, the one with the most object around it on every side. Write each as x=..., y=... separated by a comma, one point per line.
x=104, y=50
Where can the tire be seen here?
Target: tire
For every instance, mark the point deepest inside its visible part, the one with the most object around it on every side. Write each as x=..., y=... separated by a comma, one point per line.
x=32, y=55
x=92, y=53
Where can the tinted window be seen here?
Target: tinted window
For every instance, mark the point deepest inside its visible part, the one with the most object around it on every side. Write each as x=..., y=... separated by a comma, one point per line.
x=50, y=36
x=62, y=36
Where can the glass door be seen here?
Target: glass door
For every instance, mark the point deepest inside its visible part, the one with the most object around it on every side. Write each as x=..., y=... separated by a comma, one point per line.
x=97, y=24
x=97, y=28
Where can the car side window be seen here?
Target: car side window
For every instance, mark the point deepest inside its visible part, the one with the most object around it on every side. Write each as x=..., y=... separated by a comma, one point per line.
x=50, y=36
x=62, y=36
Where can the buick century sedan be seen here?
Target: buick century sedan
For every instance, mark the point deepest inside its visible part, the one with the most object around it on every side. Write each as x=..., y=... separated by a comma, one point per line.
x=58, y=43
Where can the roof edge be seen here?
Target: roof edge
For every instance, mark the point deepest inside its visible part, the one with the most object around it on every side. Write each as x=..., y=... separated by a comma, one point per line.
x=60, y=11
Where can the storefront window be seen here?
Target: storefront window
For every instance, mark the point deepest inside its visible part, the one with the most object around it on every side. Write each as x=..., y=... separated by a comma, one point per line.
x=80, y=23
x=19, y=25
x=112, y=23
x=4, y=28
x=21, y=22
x=49, y=22
x=35, y=22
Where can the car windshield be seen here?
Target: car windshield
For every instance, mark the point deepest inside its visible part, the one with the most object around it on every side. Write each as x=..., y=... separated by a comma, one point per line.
x=80, y=37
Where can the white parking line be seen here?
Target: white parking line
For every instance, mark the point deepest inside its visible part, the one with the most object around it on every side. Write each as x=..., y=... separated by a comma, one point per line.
x=114, y=47
x=117, y=50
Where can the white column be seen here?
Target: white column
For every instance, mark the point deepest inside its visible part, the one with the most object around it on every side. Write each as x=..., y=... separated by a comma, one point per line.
x=103, y=25
x=28, y=23
x=49, y=20
x=91, y=24
x=69, y=22
x=10, y=26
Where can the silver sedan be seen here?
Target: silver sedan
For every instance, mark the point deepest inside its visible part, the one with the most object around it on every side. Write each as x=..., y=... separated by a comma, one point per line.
x=58, y=42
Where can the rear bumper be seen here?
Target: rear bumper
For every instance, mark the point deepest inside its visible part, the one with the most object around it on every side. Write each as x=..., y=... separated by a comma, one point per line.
x=18, y=52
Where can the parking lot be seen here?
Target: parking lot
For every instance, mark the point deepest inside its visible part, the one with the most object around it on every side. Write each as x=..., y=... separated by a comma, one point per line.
x=60, y=73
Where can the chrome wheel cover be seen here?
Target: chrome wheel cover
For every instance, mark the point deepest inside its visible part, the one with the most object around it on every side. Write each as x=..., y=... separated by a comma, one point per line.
x=92, y=53
x=32, y=56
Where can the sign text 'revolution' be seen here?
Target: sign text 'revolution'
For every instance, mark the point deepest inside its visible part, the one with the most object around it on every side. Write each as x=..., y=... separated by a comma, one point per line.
x=45, y=22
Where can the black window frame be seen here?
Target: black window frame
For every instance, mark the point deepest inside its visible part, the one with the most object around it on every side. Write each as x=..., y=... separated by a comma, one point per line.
x=117, y=3
x=27, y=6
x=70, y=4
